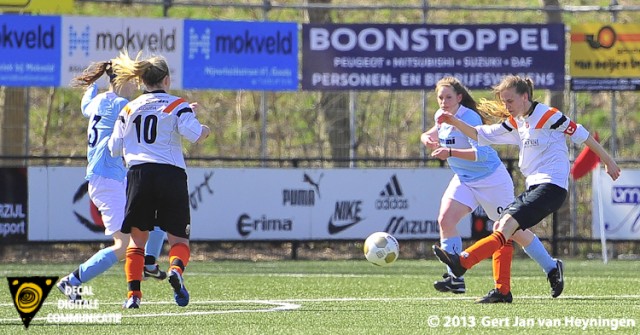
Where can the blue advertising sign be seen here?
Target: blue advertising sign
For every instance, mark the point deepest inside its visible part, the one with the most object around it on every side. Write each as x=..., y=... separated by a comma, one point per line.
x=29, y=50
x=240, y=55
x=416, y=56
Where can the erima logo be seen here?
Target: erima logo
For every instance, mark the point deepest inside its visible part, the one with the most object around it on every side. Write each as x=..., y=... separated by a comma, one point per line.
x=391, y=197
x=201, y=43
x=246, y=225
x=346, y=214
x=79, y=40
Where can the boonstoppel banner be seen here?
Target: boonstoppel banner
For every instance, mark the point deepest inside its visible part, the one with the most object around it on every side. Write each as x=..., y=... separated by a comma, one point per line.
x=415, y=56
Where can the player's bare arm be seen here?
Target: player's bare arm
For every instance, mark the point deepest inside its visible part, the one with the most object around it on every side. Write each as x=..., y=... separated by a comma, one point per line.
x=466, y=129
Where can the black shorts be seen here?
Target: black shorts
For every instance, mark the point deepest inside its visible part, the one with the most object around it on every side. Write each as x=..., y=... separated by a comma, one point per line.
x=157, y=195
x=536, y=203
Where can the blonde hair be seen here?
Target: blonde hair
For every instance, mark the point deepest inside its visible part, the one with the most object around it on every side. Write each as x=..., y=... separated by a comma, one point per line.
x=149, y=71
x=495, y=108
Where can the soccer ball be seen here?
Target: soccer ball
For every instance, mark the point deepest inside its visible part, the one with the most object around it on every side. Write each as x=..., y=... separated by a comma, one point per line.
x=381, y=249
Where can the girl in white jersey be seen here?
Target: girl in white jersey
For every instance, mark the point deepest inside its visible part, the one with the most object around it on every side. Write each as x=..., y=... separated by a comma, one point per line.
x=539, y=131
x=480, y=179
x=148, y=134
x=106, y=178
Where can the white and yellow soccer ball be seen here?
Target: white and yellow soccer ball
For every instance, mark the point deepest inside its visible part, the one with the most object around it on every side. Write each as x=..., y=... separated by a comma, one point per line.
x=381, y=249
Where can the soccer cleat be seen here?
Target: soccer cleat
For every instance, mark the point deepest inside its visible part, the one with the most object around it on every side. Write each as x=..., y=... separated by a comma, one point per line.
x=156, y=273
x=494, y=296
x=180, y=293
x=451, y=260
x=71, y=291
x=450, y=284
x=556, y=279
x=132, y=302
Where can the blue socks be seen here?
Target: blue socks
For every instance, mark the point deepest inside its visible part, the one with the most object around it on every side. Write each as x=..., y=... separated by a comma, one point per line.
x=154, y=245
x=538, y=253
x=100, y=262
x=452, y=245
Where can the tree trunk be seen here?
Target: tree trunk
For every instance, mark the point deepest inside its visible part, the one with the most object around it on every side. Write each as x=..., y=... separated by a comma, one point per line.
x=334, y=105
x=13, y=123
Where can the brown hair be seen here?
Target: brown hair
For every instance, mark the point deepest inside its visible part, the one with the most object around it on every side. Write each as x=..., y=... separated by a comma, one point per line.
x=459, y=88
x=149, y=71
x=92, y=73
x=496, y=108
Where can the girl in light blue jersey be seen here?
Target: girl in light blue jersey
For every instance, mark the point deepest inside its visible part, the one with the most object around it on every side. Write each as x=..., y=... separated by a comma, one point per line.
x=480, y=179
x=106, y=177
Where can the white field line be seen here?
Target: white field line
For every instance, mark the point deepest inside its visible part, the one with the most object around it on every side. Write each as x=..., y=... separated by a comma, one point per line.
x=293, y=304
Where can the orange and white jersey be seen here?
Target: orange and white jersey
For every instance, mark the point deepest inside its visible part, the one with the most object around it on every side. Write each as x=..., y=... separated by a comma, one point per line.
x=544, y=156
x=149, y=130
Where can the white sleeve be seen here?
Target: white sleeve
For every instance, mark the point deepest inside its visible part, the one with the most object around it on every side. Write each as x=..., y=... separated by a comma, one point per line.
x=497, y=134
x=188, y=125
x=115, y=143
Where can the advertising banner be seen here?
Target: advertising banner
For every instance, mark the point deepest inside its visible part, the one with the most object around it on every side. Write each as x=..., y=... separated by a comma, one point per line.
x=13, y=205
x=94, y=39
x=240, y=55
x=263, y=204
x=605, y=57
x=416, y=56
x=620, y=204
x=29, y=50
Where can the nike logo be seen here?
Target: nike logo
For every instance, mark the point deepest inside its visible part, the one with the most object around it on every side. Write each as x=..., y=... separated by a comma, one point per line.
x=335, y=229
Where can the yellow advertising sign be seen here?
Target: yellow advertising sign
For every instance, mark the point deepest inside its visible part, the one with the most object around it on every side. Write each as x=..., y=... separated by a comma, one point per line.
x=36, y=6
x=605, y=51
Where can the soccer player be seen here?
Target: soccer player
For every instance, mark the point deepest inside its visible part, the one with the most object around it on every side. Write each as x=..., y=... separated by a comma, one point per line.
x=148, y=134
x=480, y=179
x=106, y=177
x=539, y=131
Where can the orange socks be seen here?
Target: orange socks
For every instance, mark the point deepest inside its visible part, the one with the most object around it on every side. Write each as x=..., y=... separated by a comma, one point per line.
x=133, y=265
x=502, y=267
x=179, y=255
x=482, y=249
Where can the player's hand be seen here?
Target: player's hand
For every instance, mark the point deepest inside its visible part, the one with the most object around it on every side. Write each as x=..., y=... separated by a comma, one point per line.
x=440, y=153
x=193, y=106
x=428, y=141
x=612, y=169
x=445, y=117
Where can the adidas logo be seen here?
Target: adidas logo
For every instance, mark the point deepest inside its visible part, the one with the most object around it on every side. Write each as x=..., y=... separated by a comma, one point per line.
x=391, y=196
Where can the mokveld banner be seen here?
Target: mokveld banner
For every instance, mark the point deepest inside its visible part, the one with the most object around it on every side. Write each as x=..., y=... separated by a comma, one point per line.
x=29, y=50
x=620, y=204
x=240, y=55
x=263, y=204
x=94, y=39
x=415, y=56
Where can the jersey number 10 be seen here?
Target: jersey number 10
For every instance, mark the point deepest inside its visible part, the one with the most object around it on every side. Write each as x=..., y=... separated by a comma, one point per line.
x=146, y=130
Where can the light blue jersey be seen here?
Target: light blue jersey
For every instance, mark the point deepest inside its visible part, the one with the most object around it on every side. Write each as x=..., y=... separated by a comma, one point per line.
x=487, y=159
x=102, y=111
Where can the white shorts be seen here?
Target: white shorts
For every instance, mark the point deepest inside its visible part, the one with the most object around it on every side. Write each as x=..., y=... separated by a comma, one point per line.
x=110, y=198
x=494, y=192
